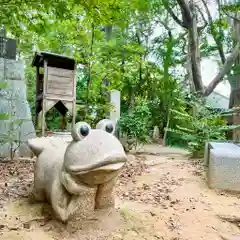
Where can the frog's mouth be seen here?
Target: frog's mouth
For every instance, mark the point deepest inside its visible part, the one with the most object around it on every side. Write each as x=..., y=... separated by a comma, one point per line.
x=101, y=172
x=112, y=162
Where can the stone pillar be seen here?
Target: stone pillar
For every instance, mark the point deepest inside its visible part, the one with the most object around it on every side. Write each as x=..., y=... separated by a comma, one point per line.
x=115, y=100
x=18, y=127
x=156, y=134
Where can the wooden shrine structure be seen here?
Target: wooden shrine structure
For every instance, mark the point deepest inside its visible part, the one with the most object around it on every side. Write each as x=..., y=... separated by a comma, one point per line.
x=55, y=86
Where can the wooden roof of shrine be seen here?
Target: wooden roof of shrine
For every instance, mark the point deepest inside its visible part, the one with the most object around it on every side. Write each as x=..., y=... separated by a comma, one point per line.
x=53, y=60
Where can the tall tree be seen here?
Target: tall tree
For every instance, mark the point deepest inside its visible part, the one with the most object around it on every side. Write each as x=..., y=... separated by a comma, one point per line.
x=191, y=11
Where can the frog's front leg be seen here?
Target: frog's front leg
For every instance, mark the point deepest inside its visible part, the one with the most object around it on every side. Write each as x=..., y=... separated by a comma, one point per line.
x=105, y=195
x=66, y=204
x=59, y=199
x=82, y=205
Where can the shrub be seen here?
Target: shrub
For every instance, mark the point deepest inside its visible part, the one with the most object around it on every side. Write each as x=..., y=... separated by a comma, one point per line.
x=204, y=126
x=135, y=124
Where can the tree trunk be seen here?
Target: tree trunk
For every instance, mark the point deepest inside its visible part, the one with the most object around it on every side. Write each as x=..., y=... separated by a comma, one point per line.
x=131, y=99
x=188, y=66
x=223, y=71
x=188, y=22
x=108, y=32
x=195, y=52
x=89, y=80
x=235, y=81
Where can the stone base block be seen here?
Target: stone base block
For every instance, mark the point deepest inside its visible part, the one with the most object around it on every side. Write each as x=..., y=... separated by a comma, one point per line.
x=223, y=165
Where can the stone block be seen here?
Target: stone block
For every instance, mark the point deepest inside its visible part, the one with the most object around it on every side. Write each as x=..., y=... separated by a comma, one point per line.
x=156, y=134
x=15, y=90
x=223, y=165
x=115, y=100
x=13, y=101
x=5, y=150
x=14, y=69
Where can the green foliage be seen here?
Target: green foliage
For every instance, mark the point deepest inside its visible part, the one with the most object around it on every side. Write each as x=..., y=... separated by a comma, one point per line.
x=121, y=60
x=118, y=58
x=75, y=30
x=135, y=124
x=3, y=85
x=95, y=113
x=202, y=126
x=53, y=119
x=3, y=116
x=232, y=7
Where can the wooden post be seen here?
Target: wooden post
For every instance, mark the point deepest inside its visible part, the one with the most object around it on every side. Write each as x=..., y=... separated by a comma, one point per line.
x=74, y=96
x=44, y=96
x=166, y=128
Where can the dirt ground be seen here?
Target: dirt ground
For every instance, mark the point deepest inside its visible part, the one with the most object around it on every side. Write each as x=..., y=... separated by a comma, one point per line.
x=160, y=195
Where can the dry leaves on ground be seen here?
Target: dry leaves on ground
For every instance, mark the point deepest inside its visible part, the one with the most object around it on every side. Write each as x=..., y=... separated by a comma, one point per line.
x=134, y=167
x=15, y=179
x=158, y=193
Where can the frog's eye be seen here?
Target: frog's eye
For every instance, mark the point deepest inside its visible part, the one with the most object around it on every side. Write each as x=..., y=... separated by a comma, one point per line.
x=106, y=125
x=80, y=131
x=109, y=127
x=84, y=130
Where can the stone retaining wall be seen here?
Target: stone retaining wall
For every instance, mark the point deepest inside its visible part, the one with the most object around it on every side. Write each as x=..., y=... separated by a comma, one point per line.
x=13, y=101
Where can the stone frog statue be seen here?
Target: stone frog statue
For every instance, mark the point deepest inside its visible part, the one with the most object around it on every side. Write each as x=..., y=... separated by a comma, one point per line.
x=78, y=176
